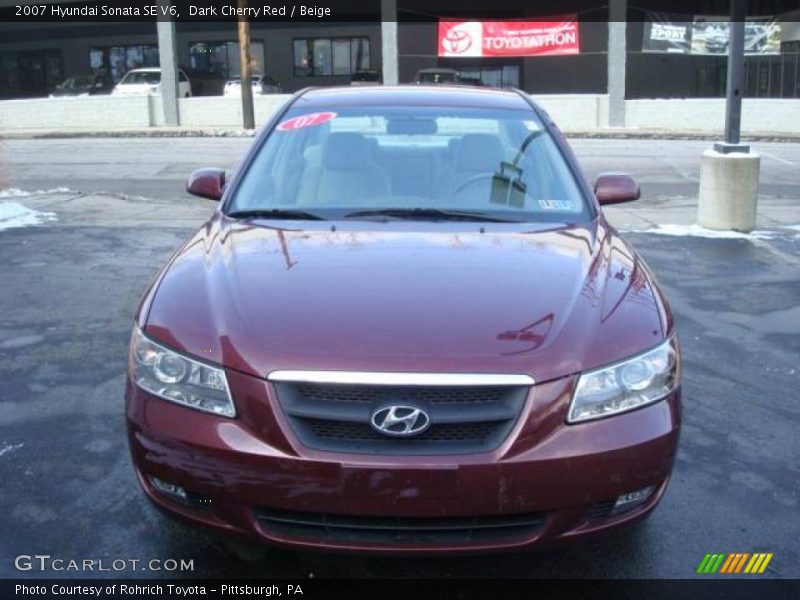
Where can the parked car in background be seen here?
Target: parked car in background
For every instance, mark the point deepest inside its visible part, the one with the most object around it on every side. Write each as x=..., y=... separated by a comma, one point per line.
x=408, y=327
x=366, y=77
x=428, y=76
x=86, y=85
x=144, y=82
x=476, y=81
x=262, y=84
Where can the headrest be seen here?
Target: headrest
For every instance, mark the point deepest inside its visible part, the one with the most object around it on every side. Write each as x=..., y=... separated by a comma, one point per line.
x=345, y=151
x=479, y=152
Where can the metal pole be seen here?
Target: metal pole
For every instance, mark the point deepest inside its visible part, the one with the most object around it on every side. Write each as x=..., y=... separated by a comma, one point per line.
x=167, y=60
x=735, y=86
x=248, y=114
x=616, y=56
x=389, y=60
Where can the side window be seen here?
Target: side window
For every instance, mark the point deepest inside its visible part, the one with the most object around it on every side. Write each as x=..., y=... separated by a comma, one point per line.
x=182, y=77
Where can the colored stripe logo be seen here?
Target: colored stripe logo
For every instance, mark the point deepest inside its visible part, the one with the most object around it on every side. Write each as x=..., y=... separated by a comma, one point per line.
x=735, y=563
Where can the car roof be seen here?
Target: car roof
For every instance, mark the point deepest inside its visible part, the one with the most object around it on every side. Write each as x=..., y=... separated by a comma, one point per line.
x=412, y=95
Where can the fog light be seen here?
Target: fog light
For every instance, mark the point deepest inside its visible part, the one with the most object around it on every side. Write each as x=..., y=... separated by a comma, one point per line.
x=626, y=501
x=169, y=489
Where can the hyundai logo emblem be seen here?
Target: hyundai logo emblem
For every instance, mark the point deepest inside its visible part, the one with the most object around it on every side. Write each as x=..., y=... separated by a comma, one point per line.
x=400, y=421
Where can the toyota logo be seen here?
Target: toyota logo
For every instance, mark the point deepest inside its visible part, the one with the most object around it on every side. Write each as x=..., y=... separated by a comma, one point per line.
x=400, y=420
x=457, y=41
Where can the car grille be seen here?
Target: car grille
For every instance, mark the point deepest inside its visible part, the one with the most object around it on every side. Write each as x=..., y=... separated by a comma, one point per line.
x=463, y=419
x=398, y=530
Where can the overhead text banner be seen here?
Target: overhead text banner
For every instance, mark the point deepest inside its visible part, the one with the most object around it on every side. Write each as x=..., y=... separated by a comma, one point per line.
x=509, y=38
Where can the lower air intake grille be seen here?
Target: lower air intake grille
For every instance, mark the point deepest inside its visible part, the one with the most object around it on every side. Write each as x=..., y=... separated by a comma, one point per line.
x=398, y=530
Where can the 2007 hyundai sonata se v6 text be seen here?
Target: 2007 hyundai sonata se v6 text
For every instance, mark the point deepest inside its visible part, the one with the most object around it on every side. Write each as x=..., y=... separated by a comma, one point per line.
x=408, y=328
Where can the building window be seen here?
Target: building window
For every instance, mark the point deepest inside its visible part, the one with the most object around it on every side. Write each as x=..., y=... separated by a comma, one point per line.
x=115, y=61
x=330, y=56
x=220, y=60
x=30, y=72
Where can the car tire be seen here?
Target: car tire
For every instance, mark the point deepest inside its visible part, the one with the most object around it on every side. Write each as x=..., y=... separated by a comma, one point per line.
x=186, y=95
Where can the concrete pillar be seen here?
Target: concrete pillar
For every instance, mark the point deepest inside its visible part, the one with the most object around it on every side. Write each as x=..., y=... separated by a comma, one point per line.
x=617, y=23
x=389, y=52
x=168, y=60
x=728, y=190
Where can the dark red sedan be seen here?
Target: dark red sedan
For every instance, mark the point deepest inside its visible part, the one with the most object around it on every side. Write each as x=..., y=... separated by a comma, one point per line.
x=407, y=328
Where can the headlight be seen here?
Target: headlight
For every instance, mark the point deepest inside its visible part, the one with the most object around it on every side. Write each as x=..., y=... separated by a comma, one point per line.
x=626, y=385
x=178, y=378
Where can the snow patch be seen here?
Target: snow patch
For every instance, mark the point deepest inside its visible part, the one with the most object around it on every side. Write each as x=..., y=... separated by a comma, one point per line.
x=18, y=193
x=697, y=231
x=14, y=214
x=6, y=448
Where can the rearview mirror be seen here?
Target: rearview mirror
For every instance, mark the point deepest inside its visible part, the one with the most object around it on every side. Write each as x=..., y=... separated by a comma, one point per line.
x=613, y=188
x=206, y=183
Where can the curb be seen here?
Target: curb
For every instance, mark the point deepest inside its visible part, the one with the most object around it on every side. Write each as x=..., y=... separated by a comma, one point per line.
x=133, y=133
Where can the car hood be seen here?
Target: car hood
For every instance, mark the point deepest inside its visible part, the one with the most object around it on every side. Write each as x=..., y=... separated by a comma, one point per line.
x=134, y=89
x=403, y=296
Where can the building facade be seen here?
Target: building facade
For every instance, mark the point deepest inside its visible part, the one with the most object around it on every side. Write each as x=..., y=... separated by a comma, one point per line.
x=35, y=57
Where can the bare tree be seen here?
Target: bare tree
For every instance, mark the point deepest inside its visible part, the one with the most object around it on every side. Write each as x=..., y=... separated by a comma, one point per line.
x=245, y=72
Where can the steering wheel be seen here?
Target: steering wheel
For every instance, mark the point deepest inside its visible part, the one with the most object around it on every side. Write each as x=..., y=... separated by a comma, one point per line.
x=475, y=179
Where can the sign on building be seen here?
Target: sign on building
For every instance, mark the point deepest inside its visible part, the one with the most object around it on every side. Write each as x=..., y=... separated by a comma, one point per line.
x=706, y=35
x=509, y=38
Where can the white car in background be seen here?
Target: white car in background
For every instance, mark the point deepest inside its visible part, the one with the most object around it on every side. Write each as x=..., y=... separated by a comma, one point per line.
x=262, y=84
x=147, y=82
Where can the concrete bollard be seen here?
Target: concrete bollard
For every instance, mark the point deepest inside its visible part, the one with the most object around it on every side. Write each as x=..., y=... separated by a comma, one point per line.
x=728, y=190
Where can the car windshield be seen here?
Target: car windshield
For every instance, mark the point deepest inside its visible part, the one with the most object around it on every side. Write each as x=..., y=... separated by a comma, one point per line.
x=136, y=77
x=412, y=162
x=75, y=82
x=436, y=77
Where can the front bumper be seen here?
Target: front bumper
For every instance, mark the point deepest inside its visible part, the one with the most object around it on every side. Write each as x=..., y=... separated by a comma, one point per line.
x=548, y=482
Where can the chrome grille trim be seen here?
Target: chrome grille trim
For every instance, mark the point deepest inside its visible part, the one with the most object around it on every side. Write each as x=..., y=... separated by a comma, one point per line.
x=397, y=378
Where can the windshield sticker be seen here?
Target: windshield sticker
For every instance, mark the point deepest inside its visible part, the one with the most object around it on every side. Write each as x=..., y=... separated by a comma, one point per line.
x=309, y=120
x=531, y=125
x=555, y=204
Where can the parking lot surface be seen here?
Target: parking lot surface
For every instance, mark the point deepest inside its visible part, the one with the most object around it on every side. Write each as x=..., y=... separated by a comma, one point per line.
x=69, y=287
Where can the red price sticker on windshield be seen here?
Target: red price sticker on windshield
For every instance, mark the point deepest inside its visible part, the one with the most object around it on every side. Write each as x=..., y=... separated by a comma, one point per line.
x=309, y=120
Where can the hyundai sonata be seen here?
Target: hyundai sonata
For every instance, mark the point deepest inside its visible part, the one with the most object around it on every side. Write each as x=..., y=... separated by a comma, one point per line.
x=407, y=327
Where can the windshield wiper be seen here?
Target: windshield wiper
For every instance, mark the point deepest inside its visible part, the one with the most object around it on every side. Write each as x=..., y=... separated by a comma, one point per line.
x=276, y=213
x=437, y=214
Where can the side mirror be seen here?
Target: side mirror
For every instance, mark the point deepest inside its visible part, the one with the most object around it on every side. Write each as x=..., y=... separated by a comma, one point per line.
x=206, y=183
x=613, y=188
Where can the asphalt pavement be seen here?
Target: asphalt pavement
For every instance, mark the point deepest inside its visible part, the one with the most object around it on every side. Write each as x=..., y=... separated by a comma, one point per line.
x=69, y=287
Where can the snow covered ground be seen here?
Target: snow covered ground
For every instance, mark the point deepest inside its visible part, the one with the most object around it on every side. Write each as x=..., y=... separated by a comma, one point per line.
x=14, y=214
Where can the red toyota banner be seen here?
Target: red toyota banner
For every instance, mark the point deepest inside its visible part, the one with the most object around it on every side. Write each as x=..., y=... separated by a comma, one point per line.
x=509, y=38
